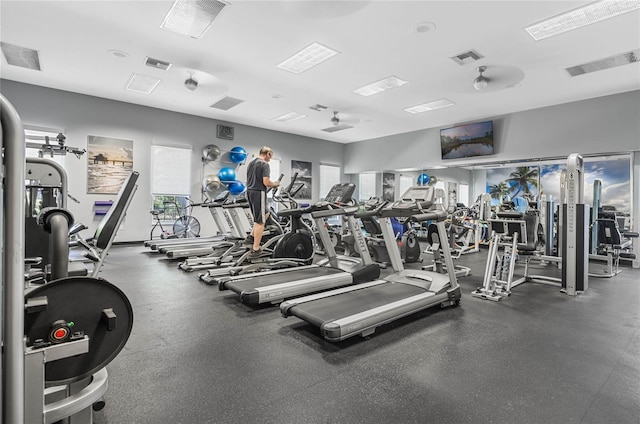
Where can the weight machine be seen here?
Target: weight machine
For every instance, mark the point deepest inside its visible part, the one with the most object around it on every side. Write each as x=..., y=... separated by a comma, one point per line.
x=57, y=337
x=514, y=237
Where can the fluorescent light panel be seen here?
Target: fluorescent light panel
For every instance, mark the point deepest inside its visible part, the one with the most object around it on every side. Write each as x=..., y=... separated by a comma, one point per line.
x=380, y=86
x=192, y=18
x=338, y=127
x=21, y=56
x=307, y=58
x=226, y=103
x=288, y=117
x=582, y=16
x=142, y=83
x=436, y=104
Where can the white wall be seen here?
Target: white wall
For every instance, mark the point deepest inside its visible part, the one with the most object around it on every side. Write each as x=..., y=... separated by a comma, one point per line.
x=602, y=125
x=79, y=116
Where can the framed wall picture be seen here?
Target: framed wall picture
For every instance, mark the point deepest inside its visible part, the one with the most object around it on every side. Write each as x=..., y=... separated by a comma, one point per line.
x=225, y=132
x=109, y=163
x=388, y=186
x=304, y=176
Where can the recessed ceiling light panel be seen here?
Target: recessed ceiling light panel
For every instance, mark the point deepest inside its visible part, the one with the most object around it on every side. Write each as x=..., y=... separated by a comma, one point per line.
x=142, y=83
x=338, y=127
x=226, y=103
x=436, y=104
x=307, y=58
x=582, y=16
x=21, y=56
x=192, y=18
x=289, y=117
x=380, y=86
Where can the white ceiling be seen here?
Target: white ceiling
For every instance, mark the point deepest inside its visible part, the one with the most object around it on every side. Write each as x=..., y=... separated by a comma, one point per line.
x=237, y=57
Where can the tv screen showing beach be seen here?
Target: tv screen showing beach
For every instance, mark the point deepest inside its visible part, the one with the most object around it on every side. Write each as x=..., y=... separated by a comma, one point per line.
x=467, y=140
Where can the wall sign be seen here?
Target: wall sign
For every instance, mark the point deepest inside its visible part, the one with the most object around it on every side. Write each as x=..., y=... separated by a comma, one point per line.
x=225, y=132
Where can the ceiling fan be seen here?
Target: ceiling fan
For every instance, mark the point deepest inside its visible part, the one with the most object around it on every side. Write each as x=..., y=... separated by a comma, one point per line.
x=341, y=121
x=496, y=77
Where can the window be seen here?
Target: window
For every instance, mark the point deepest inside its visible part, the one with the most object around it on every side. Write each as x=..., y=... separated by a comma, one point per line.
x=329, y=176
x=35, y=138
x=367, y=186
x=463, y=194
x=441, y=191
x=274, y=167
x=170, y=180
x=406, y=182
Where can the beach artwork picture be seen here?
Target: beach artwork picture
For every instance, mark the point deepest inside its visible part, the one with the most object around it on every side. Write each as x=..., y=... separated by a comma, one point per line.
x=109, y=163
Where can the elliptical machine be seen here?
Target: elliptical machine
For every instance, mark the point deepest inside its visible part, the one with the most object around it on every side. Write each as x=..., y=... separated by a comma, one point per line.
x=406, y=236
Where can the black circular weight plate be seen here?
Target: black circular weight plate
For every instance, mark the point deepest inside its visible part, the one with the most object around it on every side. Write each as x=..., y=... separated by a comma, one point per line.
x=294, y=245
x=81, y=301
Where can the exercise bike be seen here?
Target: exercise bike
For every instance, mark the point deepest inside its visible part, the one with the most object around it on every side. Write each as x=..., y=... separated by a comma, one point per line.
x=185, y=226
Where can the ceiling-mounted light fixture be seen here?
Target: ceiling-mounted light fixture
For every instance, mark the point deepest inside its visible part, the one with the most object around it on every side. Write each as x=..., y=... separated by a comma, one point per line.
x=190, y=83
x=481, y=82
x=335, y=120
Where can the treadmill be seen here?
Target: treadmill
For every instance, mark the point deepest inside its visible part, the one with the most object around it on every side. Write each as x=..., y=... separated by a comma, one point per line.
x=360, y=309
x=276, y=285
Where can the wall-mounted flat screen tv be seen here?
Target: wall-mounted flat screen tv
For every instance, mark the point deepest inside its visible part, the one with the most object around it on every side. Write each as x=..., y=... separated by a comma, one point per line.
x=467, y=140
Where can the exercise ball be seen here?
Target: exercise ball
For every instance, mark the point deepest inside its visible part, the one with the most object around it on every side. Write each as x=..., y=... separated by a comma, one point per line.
x=423, y=179
x=236, y=187
x=210, y=184
x=227, y=174
x=210, y=152
x=237, y=154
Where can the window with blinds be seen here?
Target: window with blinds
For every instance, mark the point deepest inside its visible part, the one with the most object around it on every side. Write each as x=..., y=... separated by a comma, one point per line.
x=329, y=176
x=367, y=186
x=170, y=180
x=406, y=182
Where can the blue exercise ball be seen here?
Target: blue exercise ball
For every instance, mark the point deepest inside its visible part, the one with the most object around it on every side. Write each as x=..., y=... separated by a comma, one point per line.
x=238, y=154
x=423, y=179
x=236, y=188
x=227, y=174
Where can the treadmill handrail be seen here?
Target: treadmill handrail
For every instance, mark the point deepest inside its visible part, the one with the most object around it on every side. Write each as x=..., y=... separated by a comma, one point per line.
x=437, y=215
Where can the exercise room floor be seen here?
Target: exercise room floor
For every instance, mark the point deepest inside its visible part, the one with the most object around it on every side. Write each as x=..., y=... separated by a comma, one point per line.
x=198, y=355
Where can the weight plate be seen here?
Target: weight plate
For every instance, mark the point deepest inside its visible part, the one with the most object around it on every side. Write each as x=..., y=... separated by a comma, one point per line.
x=79, y=301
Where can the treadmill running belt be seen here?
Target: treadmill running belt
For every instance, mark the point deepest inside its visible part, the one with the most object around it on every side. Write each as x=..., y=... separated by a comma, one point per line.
x=332, y=308
x=253, y=282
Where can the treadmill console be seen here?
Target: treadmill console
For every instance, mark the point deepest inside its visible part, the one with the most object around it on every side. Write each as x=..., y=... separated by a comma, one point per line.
x=415, y=199
x=340, y=193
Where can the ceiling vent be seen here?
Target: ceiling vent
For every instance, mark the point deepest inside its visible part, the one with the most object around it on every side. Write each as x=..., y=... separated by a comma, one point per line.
x=157, y=63
x=318, y=107
x=21, y=56
x=338, y=127
x=142, y=83
x=606, y=63
x=226, y=103
x=467, y=57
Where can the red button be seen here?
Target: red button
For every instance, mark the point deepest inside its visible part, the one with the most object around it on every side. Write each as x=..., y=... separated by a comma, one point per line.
x=60, y=333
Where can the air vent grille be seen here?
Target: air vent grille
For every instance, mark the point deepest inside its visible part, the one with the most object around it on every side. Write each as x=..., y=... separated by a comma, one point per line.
x=21, y=56
x=318, y=107
x=335, y=128
x=142, y=83
x=606, y=63
x=467, y=57
x=226, y=103
x=157, y=63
